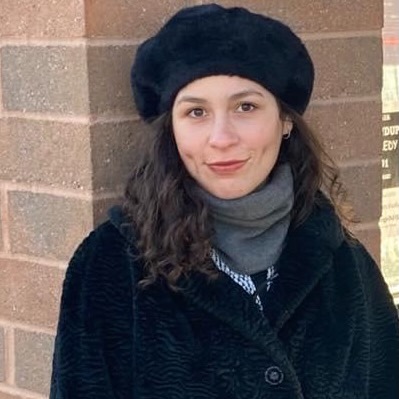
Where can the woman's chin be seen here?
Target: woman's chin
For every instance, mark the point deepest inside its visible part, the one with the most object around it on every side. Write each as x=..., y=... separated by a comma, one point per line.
x=228, y=193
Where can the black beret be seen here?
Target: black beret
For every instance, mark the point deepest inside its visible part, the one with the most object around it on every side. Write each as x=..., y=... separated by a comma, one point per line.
x=210, y=40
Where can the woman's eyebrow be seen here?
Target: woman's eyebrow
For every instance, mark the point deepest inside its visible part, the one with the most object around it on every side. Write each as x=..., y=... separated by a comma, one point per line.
x=235, y=96
x=245, y=93
x=191, y=99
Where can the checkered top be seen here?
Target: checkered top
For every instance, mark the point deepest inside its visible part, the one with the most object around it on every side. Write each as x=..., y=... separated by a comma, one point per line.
x=244, y=280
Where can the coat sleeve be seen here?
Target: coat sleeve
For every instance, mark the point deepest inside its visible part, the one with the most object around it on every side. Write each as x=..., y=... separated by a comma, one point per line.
x=384, y=332
x=79, y=367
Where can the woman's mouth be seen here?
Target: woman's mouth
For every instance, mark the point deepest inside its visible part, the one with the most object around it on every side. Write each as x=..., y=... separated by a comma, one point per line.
x=226, y=167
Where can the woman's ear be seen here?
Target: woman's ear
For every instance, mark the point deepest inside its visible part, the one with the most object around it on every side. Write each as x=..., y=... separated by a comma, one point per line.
x=287, y=125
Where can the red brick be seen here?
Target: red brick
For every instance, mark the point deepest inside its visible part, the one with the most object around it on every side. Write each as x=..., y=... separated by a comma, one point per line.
x=128, y=18
x=109, y=79
x=348, y=130
x=46, y=225
x=44, y=79
x=45, y=152
x=33, y=355
x=363, y=184
x=318, y=15
x=30, y=292
x=42, y=18
x=113, y=148
x=347, y=67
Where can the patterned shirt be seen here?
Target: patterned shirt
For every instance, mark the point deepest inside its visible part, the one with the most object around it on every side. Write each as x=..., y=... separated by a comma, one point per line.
x=244, y=280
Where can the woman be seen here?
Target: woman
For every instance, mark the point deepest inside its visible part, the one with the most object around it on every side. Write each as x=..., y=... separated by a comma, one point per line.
x=227, y=273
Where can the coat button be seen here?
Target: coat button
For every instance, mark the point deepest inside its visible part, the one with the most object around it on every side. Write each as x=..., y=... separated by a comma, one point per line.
x=274, y=375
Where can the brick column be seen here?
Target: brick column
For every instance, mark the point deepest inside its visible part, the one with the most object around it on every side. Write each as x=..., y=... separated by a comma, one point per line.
x=45, y=179
x=68, y=129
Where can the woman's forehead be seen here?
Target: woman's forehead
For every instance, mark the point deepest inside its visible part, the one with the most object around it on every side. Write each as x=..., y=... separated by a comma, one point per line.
x=221, y=86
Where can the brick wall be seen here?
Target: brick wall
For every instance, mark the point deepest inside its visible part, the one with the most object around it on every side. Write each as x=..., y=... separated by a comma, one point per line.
x=68, y=132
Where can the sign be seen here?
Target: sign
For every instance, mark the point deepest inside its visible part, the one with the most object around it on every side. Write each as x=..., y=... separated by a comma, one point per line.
x=389, y=222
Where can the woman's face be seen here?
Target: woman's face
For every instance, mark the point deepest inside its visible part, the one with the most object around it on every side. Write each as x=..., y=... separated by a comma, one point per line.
x=228, y=133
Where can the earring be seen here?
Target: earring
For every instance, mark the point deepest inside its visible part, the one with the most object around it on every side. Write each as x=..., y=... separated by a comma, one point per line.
x=287, y=135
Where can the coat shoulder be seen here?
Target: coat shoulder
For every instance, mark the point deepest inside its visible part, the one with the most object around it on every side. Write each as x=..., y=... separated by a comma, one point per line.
x=353, y=254
x=101, y=246
x=380, y=308
x=101, y=267
x=93, y=345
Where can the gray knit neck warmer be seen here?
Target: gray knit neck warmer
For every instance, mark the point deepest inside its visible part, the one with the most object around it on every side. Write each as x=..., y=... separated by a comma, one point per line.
x=250, y=231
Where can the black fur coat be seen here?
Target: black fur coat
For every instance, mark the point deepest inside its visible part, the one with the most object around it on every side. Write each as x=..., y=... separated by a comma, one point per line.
x=329, y=328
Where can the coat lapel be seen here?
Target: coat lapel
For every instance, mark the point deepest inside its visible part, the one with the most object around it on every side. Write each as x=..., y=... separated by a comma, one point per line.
x=306, y=258
x=299, y=273
x=228, y=302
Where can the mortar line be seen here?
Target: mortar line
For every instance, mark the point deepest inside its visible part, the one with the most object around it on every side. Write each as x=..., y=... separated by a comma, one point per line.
x=365, y=226
x=48, y=116
x=91, y=119
x=359, y=163
x=86, y=195
x=346, y=100
x=118, y=193
x=58, y=264
x=4, y=216
x=44, y=42
x=9, y=353
x=41, y=189
x=98, y=119
x=26, y=327
x=131, y=41
x=311, y=36
x=70, y=43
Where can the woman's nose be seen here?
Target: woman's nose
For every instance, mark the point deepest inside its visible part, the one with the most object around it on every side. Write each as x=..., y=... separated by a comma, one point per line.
x=222, y=132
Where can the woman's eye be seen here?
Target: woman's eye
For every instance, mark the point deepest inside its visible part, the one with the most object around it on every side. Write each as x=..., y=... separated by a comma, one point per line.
x=196, y=112
x=246, y=107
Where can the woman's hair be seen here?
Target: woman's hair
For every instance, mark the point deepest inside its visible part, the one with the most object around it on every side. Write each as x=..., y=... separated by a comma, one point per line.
x=313, y=171
x=171, y=224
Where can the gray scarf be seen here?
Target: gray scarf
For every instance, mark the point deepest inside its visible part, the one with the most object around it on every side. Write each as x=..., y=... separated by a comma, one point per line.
x=250, y=231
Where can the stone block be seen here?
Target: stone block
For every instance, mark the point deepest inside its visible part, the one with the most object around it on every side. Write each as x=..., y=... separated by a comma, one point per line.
x=317, y=15
x=109, y=79
x=30, y=292
x=46, y=225
x=45, y=152
x=347, y=67
x=113, y=150
x=349, y=131
x=33, y=357
x=42, y=18
x=363, y=184
x=129, y=18
x=44, y=79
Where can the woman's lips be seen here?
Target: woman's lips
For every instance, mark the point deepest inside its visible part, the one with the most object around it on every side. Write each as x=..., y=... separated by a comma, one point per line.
x=226, y=167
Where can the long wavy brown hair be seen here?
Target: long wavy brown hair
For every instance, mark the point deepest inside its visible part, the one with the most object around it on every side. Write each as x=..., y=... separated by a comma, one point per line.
x=171, y=224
